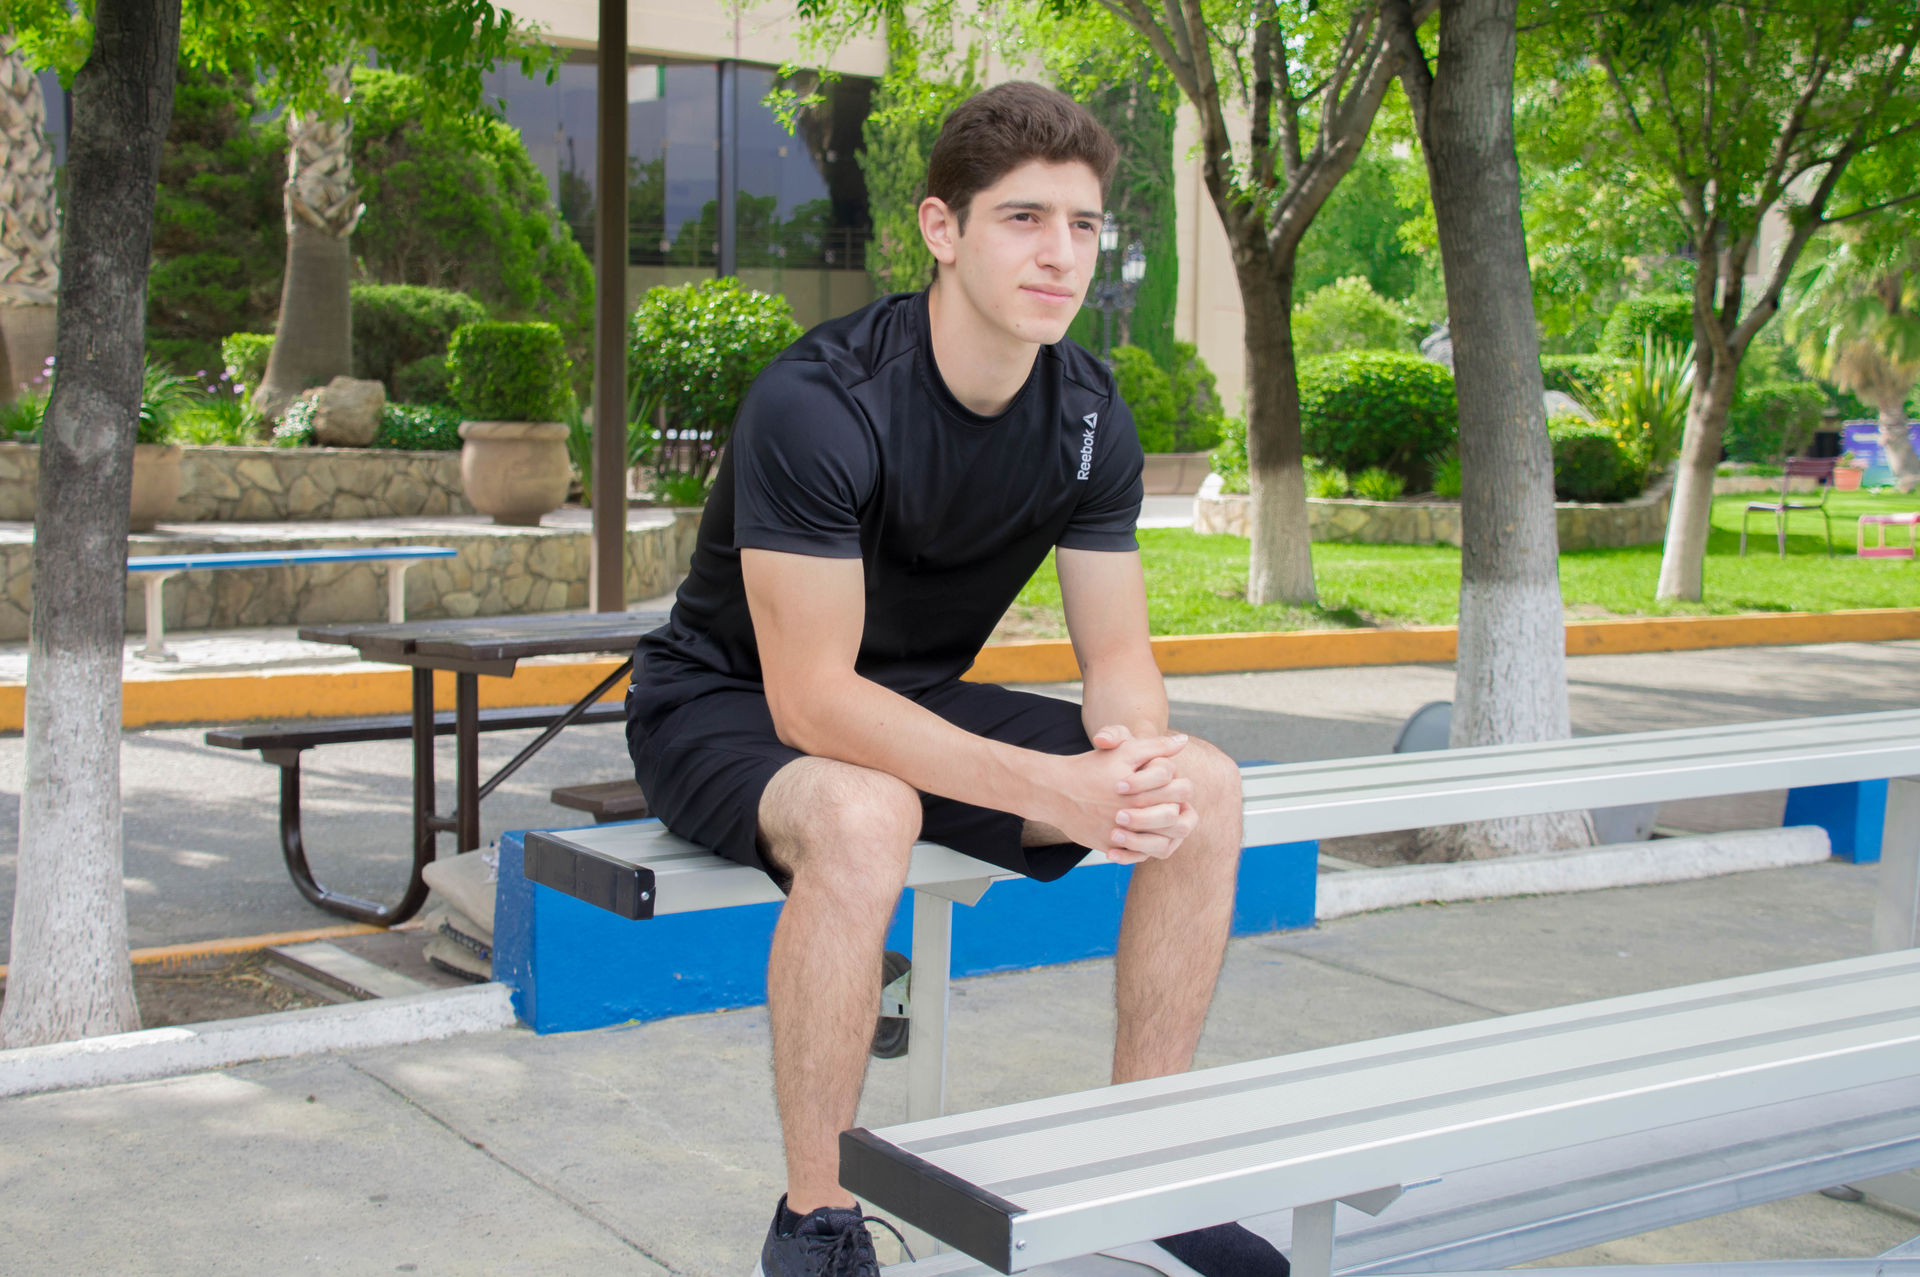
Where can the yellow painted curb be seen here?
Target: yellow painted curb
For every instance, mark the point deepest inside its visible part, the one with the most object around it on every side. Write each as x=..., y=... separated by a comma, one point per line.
x=224, y=698
x=169, y=955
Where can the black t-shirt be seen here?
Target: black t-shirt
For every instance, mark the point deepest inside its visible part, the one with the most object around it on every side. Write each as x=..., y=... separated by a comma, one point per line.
x=850, y=446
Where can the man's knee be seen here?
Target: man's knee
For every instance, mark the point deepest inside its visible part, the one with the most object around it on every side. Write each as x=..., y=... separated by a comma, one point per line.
x=851, y=823
x=1216, y=792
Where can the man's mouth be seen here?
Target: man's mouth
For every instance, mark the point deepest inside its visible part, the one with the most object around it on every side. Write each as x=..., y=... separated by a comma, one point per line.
x=1053, y=296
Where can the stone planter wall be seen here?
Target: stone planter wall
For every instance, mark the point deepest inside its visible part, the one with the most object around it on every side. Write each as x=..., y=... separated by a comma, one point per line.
x=1641, y=521
x=276, y=484
x=498, y=571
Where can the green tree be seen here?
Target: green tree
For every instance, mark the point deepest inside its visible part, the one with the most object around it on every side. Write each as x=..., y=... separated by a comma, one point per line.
x=218, y=239
x=455, y=202
x=908, y=109
x=1359, y=231
x=69, y=975
x=1733, y=113
x=1855, y=322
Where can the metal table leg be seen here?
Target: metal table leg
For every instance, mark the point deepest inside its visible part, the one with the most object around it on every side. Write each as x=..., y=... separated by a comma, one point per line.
x=466, y=736
x=1896, y=917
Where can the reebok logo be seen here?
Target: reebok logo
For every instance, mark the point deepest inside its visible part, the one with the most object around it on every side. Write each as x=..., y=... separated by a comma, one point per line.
x=1086, y=446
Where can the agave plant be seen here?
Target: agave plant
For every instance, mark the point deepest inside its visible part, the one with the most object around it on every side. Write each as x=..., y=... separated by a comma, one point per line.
x=1645, y=403
x=164, y=397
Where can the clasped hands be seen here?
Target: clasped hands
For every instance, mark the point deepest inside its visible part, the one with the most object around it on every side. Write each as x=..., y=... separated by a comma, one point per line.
x=1127, y=798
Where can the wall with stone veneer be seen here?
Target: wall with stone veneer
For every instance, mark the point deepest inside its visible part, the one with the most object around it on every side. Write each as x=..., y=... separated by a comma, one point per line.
x=277, y=484
x=498, y=571
x=1641, y=521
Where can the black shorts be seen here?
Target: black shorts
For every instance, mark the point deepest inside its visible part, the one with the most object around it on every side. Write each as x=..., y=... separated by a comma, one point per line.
x=704, y=764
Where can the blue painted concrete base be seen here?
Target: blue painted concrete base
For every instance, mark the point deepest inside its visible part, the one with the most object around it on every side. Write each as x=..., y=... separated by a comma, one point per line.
x=572, y=966
x=1852, y=814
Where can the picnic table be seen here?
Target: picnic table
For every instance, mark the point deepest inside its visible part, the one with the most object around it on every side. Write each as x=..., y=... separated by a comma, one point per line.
x=491, y=646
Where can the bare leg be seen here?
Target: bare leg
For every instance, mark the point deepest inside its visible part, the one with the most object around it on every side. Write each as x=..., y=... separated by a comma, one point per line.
x=1174, y=932
x=844, y=834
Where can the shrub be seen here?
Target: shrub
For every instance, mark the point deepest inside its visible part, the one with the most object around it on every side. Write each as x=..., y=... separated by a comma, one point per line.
x=1149, y=393
x=694, y=350
x=509, y=372
x=1329, y=483
x=295, y=429
x=455, y=202
x=245, y=356
x=1366, y=408
x=1668, y=315
x=1446, y=475
x=1645, y=402
x=1590, y=463
x=1230, y=456
x=1581, y=376
x=1773, y=419
x=165, y=397
x=1348, y=315
x=418, y=428
x=424, y=381
x=1199, y=418
x=1378, y=484
x=399, y=324
x=20, y=418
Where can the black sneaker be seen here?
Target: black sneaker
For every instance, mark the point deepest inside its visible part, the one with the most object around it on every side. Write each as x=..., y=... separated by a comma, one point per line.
x=1225, y=1250
x=829, y=1242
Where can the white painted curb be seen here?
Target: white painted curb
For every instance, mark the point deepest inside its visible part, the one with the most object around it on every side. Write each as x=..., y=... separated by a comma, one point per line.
x=218, y=1044
x=1631, y=864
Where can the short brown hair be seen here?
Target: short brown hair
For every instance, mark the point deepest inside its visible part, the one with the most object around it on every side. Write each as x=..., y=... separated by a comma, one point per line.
x=994, y=132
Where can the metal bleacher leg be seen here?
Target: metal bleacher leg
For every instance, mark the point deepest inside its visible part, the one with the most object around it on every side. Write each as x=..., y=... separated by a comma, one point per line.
x=927, y=1007
x=397, y=590
x=1312, y=1251
x=1896, y=917
x=156, y=648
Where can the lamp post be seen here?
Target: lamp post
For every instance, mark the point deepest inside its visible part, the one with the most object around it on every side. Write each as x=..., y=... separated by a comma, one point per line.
x=1115, y=290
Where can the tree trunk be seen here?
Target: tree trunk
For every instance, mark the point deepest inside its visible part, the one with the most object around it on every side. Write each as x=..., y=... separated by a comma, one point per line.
x=69, y=975
x=313, y=340
x=1280, y=564
x=1683, y=557
x=29, y=228
x=1897, y=441
x=1511, y=680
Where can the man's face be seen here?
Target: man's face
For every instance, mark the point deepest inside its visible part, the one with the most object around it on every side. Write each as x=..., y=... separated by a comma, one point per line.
x=1028, y=251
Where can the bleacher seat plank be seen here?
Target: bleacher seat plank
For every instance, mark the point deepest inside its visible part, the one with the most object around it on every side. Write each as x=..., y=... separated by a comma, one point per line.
x=1052, y=1179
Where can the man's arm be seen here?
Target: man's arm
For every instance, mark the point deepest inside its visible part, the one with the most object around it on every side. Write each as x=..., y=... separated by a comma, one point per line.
x=1122, y=696
x=808, y=615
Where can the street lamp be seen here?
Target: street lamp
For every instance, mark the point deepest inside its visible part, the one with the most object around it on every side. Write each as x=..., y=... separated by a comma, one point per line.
x=1115, y=290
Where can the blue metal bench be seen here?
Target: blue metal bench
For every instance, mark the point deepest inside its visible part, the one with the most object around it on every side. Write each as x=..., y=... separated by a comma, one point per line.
x=161, y=566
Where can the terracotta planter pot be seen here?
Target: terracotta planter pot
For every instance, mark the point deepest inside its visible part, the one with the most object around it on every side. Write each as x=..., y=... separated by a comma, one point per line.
x=1175, y=472
x=1847, y=478
x=515, y=471
x=156, y=483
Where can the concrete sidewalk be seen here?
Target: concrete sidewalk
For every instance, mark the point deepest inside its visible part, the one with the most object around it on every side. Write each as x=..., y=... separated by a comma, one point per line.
x=653, y=1148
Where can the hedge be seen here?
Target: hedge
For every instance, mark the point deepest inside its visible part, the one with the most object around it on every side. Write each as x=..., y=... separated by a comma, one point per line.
x=1668, y=315
x=1590, y=464
x=1578, y=375
x=398, y=324
x=509, y=372
x=1365, y=408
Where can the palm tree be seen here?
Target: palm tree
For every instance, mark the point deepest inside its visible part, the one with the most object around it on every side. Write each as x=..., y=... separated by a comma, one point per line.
x=1856, y=323
x=29, y=226
x=313, y=342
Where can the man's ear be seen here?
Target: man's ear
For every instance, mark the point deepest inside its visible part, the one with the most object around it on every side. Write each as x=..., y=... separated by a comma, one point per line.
x=940, y=229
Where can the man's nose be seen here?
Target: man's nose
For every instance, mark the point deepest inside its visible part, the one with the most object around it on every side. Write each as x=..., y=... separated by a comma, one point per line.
x=1056, y=246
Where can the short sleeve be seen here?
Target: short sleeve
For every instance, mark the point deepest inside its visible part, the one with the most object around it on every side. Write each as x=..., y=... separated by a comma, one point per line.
x=803, y=463
x=1109, y=508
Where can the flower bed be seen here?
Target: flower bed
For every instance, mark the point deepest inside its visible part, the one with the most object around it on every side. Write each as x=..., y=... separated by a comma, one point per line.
x=273, y=484
x=1641, y=521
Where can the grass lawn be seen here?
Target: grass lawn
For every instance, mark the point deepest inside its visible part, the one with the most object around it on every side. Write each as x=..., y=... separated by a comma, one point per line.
x=1197, y=584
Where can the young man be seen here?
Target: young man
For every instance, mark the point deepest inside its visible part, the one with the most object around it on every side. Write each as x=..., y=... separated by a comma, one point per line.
x=894, y=478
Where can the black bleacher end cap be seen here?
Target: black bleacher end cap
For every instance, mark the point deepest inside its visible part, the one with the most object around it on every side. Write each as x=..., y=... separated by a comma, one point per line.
x=614, y=885
x=932, y=1199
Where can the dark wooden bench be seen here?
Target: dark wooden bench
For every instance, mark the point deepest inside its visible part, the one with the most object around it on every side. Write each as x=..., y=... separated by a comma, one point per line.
x=282, y=744
x=605, y=801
